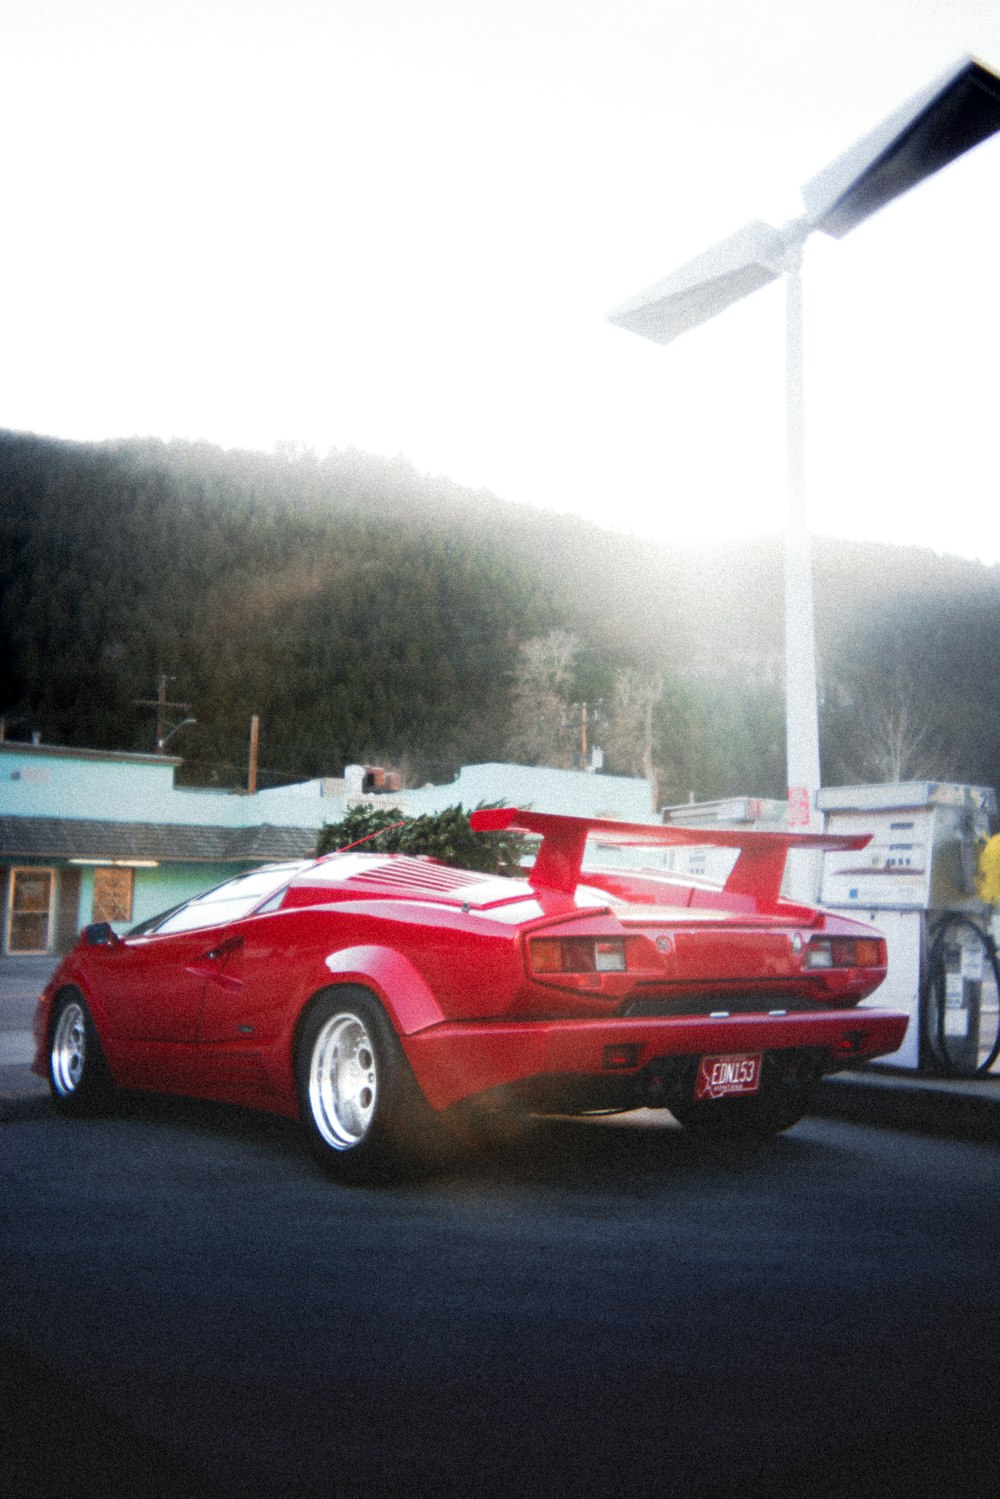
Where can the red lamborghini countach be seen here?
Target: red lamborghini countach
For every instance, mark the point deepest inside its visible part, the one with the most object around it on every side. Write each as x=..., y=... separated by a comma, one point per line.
x=375, y=997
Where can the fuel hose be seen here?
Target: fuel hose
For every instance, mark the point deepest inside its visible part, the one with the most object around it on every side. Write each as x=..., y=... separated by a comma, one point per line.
x=964, y=1040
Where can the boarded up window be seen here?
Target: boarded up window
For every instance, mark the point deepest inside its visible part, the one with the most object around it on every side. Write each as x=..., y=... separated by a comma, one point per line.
x=113, y=894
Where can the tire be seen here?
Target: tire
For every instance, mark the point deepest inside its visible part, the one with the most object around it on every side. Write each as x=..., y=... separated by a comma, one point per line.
x=362, y=1108
x=757, y=1118
x=79, y=1077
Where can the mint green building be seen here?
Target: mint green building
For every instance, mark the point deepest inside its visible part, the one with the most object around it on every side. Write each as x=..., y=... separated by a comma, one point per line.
x=97, y=835
x=93, y=835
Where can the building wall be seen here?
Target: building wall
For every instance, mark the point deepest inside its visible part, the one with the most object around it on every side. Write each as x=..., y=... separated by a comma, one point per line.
x=96, y=785
x=157, y=890
x=154, y=891
x=573, y=793
x=50, y=781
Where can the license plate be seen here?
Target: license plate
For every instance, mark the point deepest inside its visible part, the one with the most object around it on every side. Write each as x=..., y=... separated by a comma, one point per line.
x=721, y=1077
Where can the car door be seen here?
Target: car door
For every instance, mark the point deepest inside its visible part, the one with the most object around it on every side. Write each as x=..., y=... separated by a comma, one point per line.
x=256, y=981
x=150, y=988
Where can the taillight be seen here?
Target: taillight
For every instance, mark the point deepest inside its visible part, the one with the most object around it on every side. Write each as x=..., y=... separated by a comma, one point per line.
x=577, y=955
x=846, y=952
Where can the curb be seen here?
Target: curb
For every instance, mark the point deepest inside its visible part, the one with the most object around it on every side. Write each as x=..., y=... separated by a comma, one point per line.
x=959, y=1110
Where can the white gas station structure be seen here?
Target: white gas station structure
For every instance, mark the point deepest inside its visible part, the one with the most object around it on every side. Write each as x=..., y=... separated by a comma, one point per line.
x=916, y=881
x=955, y=113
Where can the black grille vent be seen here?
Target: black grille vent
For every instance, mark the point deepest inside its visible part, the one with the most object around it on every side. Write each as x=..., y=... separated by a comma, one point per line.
x=709, y=1004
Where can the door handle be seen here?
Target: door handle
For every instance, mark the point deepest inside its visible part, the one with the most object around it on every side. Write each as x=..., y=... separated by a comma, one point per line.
x=225, y=949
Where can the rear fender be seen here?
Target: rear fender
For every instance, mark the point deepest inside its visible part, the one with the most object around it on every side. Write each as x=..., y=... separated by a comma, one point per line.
x=402, y=990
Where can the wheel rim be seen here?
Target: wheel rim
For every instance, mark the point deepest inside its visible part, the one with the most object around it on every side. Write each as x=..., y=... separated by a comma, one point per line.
x=343, y=1085
x=69, y=1050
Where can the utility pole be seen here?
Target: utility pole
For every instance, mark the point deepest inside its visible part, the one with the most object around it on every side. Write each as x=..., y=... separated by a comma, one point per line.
x=160, y=703
x=589, y=715
x=252, y=769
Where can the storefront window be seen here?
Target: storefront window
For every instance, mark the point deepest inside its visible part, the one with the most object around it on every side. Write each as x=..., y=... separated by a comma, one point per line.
x=30, y=913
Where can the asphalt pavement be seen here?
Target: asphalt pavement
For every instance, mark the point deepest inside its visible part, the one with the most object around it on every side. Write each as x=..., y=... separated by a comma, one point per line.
x=185, y=1316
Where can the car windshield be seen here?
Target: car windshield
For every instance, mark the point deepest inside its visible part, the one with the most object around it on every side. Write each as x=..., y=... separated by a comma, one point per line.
x=230, y=901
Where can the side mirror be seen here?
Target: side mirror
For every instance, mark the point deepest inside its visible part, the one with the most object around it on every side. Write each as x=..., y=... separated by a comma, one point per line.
x=100, y=934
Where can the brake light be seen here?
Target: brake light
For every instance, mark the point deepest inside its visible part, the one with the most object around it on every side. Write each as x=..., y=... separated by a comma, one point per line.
x=577, y=955
x=846, y=952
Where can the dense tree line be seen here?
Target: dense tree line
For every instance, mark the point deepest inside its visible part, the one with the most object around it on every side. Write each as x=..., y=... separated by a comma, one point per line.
x=369, y=613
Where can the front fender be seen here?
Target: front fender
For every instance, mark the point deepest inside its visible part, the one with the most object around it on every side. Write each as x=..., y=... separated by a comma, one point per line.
x=67, y=976
x=404, y=994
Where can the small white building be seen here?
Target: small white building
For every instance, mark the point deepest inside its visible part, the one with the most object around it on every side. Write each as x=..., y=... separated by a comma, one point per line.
x=97, y=835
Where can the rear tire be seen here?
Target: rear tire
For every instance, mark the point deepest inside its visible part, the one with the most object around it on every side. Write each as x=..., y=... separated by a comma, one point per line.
x=364, y=1113
x=79, y=1077
x=757, y=1118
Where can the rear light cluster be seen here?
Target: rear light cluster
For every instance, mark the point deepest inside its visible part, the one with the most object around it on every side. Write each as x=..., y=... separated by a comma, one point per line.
x=577, y=955
x=846, y=952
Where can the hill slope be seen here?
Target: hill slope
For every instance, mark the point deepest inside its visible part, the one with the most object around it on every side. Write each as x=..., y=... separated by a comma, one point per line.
x=367, y=612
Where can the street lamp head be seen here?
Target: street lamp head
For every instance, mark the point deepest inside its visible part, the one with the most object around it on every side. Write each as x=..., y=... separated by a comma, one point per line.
x=706, y=285
x=955, y=113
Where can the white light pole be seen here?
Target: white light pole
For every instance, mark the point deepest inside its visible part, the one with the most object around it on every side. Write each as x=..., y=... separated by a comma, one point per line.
x=945, y=120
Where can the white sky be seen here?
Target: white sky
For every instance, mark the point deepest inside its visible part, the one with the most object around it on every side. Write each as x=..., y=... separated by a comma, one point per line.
x=399, y=226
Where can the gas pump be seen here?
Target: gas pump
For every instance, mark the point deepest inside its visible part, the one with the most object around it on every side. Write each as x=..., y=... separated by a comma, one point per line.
x=917, y=882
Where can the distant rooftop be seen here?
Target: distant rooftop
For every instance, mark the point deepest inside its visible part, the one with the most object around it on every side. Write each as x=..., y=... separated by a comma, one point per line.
x=65, y=751
x=86, y=839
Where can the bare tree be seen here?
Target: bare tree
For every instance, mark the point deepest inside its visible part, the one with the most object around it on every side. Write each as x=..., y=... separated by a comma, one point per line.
x=898, y=739
x=539, y=733
x=628, y=734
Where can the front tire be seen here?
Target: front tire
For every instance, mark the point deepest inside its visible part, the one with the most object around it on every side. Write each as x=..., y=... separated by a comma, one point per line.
x=79, y=1077
x=364, y=1113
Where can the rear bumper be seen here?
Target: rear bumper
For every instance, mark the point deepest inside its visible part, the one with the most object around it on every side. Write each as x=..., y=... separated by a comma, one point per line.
x=457, y=1060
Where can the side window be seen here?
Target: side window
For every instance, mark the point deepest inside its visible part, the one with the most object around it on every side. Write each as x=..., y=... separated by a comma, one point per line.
x=228, y=902
x=113, y=894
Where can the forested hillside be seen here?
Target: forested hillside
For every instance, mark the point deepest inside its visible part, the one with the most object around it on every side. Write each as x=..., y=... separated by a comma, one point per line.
x=366, y=612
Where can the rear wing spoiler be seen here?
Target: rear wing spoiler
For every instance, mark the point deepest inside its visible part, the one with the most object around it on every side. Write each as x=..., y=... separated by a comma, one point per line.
x=757, y=873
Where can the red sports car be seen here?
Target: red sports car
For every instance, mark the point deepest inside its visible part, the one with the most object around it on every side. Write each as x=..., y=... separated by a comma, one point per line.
x=377, y=996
